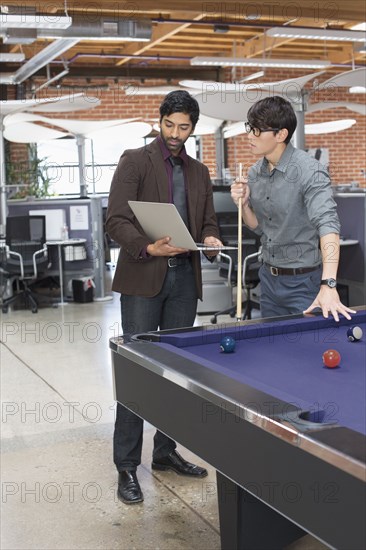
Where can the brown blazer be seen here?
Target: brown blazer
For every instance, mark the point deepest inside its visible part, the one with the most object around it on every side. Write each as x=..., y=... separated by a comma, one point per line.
x=141, y=175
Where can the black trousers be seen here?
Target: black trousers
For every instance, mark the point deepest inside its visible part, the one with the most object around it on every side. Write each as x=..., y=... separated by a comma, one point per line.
x=174, y=307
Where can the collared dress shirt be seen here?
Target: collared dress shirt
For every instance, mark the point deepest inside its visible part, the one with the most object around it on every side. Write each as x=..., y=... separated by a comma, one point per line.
x=166, y=155
x=294, y=206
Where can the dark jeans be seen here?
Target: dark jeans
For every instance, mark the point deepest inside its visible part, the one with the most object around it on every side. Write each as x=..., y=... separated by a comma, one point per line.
x=174, y=307
x=287, y=294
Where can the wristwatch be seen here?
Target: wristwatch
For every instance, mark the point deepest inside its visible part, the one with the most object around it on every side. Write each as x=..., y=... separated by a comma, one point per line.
x=332, y=283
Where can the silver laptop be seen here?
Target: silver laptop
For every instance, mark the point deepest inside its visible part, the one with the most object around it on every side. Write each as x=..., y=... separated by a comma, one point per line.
x=161, y=219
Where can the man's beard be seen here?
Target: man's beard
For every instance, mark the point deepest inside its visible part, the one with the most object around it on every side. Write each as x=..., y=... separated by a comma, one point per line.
x=172, y=145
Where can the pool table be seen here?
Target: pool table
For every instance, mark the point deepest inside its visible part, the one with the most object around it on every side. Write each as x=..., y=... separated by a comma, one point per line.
x=286, y=435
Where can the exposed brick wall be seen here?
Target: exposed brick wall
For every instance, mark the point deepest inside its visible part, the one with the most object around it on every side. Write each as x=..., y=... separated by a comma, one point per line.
x=208, y=148
x=18, y=153
x=347, y=149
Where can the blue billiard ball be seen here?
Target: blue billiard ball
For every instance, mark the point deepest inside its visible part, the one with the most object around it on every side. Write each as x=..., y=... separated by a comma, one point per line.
x=354, y=334
x=227, y=344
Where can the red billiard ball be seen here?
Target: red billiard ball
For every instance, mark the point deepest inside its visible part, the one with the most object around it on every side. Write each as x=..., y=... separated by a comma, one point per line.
x=331, y=358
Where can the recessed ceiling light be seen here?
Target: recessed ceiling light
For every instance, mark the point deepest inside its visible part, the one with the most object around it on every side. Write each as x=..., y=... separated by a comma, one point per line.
x=12, y=57
x=317, y=34
x=253, y=62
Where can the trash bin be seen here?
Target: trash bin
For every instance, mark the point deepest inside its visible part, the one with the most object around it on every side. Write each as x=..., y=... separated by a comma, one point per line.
x=83, y=290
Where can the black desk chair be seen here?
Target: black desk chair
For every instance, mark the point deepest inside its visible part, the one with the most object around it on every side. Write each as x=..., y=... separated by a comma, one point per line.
x=250, y=280
x=227, y=222
x=23, y=258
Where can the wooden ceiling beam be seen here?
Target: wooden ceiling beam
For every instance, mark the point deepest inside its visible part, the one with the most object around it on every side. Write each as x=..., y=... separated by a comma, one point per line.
x=345, y=54
x=191, y=32
x=160, y=33
x=259, y=45
x=327, y=12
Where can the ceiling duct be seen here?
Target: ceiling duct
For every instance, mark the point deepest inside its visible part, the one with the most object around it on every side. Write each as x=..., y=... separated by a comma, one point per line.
x=103, y=28
x=19, y=36
x=27, y=18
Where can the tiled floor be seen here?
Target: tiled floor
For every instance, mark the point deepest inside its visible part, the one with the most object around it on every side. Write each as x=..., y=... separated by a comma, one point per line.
x=57, y=475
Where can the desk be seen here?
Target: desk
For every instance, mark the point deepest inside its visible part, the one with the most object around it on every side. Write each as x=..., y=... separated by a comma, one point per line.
x=286, y=435
x=60, y=244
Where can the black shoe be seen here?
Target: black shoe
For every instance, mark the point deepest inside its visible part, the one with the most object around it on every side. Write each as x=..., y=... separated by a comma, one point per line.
x=129, y=490
x=176, y=463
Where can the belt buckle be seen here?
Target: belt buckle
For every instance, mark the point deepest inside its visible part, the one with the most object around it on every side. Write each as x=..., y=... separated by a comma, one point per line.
x=274, y=271
x=172, y=262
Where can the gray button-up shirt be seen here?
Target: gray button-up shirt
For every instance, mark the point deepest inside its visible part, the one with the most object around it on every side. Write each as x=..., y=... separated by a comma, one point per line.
x=294, y=207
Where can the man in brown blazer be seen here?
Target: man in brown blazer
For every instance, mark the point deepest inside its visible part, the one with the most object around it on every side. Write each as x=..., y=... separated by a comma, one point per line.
x=159, y=283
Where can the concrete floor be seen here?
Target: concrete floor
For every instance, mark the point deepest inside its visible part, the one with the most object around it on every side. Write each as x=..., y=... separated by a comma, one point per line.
x=57, y=475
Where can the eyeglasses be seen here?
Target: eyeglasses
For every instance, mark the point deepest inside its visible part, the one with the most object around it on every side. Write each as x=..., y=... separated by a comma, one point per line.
x=258, y=131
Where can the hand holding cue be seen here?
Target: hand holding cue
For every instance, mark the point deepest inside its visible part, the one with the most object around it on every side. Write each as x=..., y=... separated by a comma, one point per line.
x=239, y=264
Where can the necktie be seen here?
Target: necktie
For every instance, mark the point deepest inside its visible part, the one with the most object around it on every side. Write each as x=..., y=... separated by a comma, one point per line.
x=179, y=192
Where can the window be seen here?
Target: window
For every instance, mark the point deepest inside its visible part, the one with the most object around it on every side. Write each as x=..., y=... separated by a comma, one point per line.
x=60, y=159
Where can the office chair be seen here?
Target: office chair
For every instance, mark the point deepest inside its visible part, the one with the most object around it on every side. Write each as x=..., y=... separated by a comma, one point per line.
x=23, y=258
x=251, y=262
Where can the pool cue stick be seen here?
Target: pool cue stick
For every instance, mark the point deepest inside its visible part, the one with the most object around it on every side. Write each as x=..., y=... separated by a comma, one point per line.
x=239, y=263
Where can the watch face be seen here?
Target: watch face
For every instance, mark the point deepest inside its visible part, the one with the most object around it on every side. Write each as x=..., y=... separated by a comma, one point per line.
x=332, y=283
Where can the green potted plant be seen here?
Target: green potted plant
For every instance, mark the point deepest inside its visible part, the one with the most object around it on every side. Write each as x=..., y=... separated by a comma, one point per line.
x=30, y=178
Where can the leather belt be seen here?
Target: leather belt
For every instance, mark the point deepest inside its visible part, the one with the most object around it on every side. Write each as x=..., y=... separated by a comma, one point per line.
x=275, y=271
x=175, y=262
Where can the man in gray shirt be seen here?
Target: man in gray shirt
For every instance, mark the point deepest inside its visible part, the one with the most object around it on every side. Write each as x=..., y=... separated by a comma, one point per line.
x=287, y=200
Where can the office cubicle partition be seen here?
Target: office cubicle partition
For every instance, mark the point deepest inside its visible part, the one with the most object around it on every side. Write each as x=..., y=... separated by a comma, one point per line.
x=352, y=267
x=352, y=213
x=66, y=221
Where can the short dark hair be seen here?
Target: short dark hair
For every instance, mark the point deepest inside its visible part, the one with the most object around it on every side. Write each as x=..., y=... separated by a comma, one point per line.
x=273, y=112
x=180, y=101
